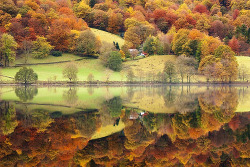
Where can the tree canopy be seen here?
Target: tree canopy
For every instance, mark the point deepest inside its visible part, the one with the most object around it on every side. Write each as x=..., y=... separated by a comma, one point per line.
x=26, y=75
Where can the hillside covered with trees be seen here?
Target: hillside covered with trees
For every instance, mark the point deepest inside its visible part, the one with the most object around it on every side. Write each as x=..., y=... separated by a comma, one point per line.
x=204, y=35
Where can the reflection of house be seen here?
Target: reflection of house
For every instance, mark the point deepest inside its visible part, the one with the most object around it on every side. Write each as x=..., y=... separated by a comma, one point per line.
x=134, y=115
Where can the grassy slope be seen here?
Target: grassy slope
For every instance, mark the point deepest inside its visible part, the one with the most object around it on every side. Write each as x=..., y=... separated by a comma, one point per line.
x=243, y=60
x=108, y=37
x=31, y=60
x=48, y=72
x=153, y=65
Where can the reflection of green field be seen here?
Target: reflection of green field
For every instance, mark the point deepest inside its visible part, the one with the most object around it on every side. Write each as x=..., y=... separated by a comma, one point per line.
x=149, y=99
x=244, y=99
x=87, y=98
x=152, y=100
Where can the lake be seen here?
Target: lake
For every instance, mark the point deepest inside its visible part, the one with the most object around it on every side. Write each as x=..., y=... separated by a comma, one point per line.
x=125, y=126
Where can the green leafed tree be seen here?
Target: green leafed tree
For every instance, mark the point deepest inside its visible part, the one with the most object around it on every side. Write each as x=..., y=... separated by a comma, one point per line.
x=41, y=48
x=26, y=75
x=115, y=61
x=114, y=106
x=152, y=46
x=8, y=48
x=180, y=38
x=92, y=3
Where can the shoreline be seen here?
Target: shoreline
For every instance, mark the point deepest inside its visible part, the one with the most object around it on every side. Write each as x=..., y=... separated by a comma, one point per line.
x=122, y=83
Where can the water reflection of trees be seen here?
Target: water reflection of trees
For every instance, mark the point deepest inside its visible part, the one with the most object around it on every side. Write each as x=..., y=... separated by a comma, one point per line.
x=26, y=93
x=8, y=120
x=142, y=147
x=70, y=96
x=212, y=134
x=114, y=106
x=182, y=100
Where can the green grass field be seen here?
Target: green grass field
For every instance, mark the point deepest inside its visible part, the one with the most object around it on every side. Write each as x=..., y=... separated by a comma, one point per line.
x=108, y=37
x=52, y=72
x=49, y=59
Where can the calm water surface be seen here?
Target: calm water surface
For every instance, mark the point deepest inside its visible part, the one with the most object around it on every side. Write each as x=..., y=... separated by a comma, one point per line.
x=125, y=126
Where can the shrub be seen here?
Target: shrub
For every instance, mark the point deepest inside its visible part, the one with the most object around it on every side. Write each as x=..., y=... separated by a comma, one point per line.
x=115, y=61
x=56, y=53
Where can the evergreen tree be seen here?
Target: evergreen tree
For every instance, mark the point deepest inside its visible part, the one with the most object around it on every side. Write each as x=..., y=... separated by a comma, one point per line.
x=92, y=3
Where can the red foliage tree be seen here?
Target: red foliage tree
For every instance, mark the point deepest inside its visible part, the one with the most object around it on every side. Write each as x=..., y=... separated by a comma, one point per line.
x=234, y=44
x=218, y=29
x=38, y=26
x=159, y=13
x=190, y=20
x=236, y=13
x=59, y=35
x=66, y=11
x=200, y=9
x=171, y=18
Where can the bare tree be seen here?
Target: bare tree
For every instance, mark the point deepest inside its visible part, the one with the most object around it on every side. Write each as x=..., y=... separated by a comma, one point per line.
x=170, y=70
x=27, y=46
x=70, y=71
x=90, y=78
x=243, y=72
x=141, y=74
x=107, y=75
x=134, y=53
x=181, y=67
x=186, y=67
x=130, y=75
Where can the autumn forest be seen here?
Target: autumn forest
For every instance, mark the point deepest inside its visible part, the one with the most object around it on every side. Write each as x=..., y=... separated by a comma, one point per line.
x=124, y=83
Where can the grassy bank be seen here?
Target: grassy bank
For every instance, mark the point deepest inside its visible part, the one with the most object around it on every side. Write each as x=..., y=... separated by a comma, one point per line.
x=142, y=68
x=53, y=72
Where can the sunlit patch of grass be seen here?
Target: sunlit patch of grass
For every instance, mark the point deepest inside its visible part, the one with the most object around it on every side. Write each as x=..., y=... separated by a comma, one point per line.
x=153, y=64
x=53, y=72
x=108, y=37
